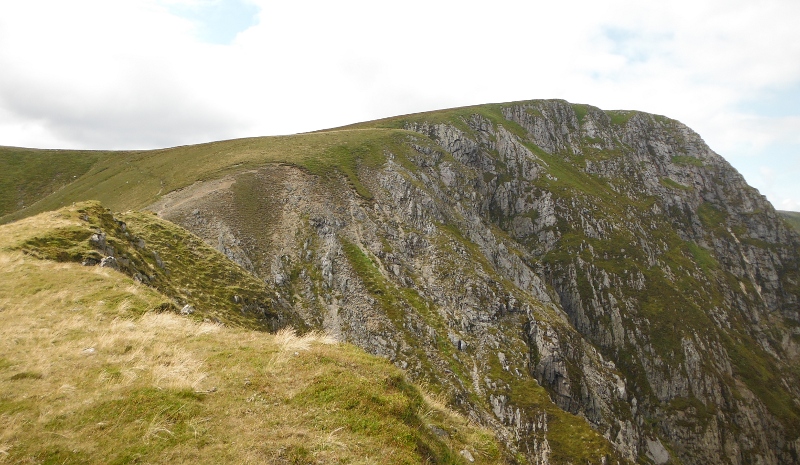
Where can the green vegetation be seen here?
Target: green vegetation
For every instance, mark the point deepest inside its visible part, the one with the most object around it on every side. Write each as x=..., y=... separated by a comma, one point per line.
x=133, y=180
x=703, y=258
x=763, y=378
x=457, y=117
x=712, y=218
x=391, y=411
x=683, y=160
x=793, y=218
x=168, y=258
x=394, y=300
x=93, y=372
x=620, y=117
x=376, y=284
x=27, y=175
x=348, y=157
x=570, y=181
x=570, y=437
x=673, y=184
x=580, y=111
x=672, y=310
x=694, y=408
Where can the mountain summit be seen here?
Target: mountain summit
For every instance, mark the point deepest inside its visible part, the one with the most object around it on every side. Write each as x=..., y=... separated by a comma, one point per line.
x=593, y=286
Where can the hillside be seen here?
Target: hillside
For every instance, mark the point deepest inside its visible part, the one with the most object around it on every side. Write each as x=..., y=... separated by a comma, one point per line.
x=97, y=368
x=591, y=285
x=134, y=179
x=793, y=218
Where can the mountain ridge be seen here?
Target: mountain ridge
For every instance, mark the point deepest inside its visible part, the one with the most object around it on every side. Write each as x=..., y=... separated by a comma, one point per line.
x=608, y=260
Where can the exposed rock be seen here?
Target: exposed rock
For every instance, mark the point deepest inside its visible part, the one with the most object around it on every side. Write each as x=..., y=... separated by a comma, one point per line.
x=109, y=262
x=612, y=259
x=656, y=452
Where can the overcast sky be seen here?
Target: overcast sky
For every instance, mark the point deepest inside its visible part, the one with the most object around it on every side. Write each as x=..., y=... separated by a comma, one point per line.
x=116, y=74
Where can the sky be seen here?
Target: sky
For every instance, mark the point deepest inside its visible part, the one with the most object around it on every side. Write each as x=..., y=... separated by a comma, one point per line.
x=139, y=74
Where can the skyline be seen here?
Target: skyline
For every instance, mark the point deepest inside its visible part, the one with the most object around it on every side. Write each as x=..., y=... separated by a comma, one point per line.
x=145, y=74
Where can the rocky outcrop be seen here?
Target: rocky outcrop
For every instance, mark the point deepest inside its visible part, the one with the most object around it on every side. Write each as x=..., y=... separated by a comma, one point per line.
x=550, y=267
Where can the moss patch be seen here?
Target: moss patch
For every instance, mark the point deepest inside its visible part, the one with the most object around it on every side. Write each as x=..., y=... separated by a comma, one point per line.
x=673, y=184
x=682, y=160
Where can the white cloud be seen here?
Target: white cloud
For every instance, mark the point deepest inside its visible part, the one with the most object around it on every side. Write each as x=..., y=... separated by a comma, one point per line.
x=100, y=74
x=105, y=74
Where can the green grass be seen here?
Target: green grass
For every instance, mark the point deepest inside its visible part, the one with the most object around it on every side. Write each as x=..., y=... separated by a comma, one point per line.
x=395, y=301
x=392, y=298
x=457, y=117
x=693, y=408
x=682, y=160
x=176, y=263
x=374, y=282
x=703, y=258
x=620, y=117
x=27, y=175
x=712, y=217
x=132, y=180
x=571, y=180
x=763, y=378
x=793, y=218
x=388, y=409
x=668, y=182
x=570, y=437
x=93, y=372
x=580, y=111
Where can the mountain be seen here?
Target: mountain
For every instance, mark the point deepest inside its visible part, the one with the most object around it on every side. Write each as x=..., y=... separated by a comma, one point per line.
x=593, y=286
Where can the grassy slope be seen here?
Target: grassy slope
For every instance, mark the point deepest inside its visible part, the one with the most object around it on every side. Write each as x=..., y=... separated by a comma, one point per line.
x=178, y=264
x=90, y=373
x=793, y=218
x=27, y=175
x=132, y=180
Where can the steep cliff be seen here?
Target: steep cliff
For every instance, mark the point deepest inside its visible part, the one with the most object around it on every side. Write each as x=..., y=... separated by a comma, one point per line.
x=548, y=266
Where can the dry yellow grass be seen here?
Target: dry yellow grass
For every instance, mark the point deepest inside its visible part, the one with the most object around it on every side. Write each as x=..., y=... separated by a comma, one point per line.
x=90, y=374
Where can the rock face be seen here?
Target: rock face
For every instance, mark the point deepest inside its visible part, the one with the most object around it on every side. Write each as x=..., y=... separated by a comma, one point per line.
x=548, y=266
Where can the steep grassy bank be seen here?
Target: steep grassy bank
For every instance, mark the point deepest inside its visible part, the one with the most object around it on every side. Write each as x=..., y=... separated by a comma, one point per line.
x=92, y=371
x=190, y=275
